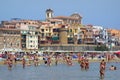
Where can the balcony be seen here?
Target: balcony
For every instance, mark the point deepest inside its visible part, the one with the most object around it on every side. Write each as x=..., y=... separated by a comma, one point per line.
x=56, y=30
x=70, y=40
x=89, y=41
x=55, y=38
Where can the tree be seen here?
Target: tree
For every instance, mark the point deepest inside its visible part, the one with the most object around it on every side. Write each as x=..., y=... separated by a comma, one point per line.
x=101, y=48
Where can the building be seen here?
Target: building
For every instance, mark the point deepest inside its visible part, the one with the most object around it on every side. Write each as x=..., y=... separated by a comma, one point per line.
x=101, y=35
x=55, y=23
x=114, y=36
x=89, y=37
x=10, y=39
x=75, y=18
x=54, y=31
x=30, y=38
x=29, y=30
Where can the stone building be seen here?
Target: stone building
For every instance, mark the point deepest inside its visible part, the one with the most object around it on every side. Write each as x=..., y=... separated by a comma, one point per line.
x=29, y=32
x=10, y=39
x=75, y=18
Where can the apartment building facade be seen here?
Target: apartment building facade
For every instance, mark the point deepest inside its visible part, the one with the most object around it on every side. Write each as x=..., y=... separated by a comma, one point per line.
x=10, y=39
x=29, y=32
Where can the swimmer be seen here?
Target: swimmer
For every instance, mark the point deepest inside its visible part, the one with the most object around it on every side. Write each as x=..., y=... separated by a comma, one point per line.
x=112, y=67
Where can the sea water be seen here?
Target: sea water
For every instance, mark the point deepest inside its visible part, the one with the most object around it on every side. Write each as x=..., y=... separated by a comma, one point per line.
x=59, y=72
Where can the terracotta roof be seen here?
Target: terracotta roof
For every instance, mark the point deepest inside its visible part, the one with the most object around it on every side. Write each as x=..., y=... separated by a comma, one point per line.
x=55, y=20
x=9, y=29
x=114, y=31
x=64, y=17
x=45, y=23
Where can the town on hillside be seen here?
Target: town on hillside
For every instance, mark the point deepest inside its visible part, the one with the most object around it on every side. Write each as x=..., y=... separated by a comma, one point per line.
x=65, y=33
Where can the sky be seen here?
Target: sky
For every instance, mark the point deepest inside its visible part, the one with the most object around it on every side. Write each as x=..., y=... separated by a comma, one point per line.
x=104, y=13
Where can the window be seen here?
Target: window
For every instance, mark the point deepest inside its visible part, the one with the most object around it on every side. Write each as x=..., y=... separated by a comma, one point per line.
x=52, y=22
x=17, y=44
x=70, y=30
x=75, y=30
x=36, y=33
x=47, y=14
x=42, y=30
x=11, y=44
x=24, y=22
x=42, y=34
x=49, y=30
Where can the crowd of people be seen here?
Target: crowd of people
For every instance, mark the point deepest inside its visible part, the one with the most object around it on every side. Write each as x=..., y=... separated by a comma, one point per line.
x=47, y=59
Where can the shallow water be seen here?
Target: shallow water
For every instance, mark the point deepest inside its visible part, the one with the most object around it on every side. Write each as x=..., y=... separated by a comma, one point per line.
x=60, y=72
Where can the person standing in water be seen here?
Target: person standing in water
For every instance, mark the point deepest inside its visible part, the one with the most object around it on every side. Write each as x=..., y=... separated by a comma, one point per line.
x=82, y=64
x=49, y=61
x=15, y=59
x=23, y=62
x=56, y=60
x=69, y=61
x=9, y=63
x=102, y=68
x=79, y=58
x=86, y=64
x=36, y=60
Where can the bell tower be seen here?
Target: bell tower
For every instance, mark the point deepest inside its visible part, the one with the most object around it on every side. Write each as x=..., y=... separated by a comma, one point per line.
x=49, y=14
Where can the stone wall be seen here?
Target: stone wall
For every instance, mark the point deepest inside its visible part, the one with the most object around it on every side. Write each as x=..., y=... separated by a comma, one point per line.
x=72, y=48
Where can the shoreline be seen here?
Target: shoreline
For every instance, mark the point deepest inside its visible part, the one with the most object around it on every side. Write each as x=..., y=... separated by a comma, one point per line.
x=59, y=62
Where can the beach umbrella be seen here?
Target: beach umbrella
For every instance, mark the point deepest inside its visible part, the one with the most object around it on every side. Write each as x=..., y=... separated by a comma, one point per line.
x=0, y=55
x=74, y=56
x=118, y=52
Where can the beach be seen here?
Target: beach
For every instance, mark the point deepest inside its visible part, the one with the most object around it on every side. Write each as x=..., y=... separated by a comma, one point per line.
x=60, y=71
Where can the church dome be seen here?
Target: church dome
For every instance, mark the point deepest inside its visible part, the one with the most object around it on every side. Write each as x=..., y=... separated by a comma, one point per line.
x=76, y=15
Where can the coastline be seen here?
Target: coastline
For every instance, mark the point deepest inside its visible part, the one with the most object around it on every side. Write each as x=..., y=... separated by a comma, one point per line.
x=2, y=62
